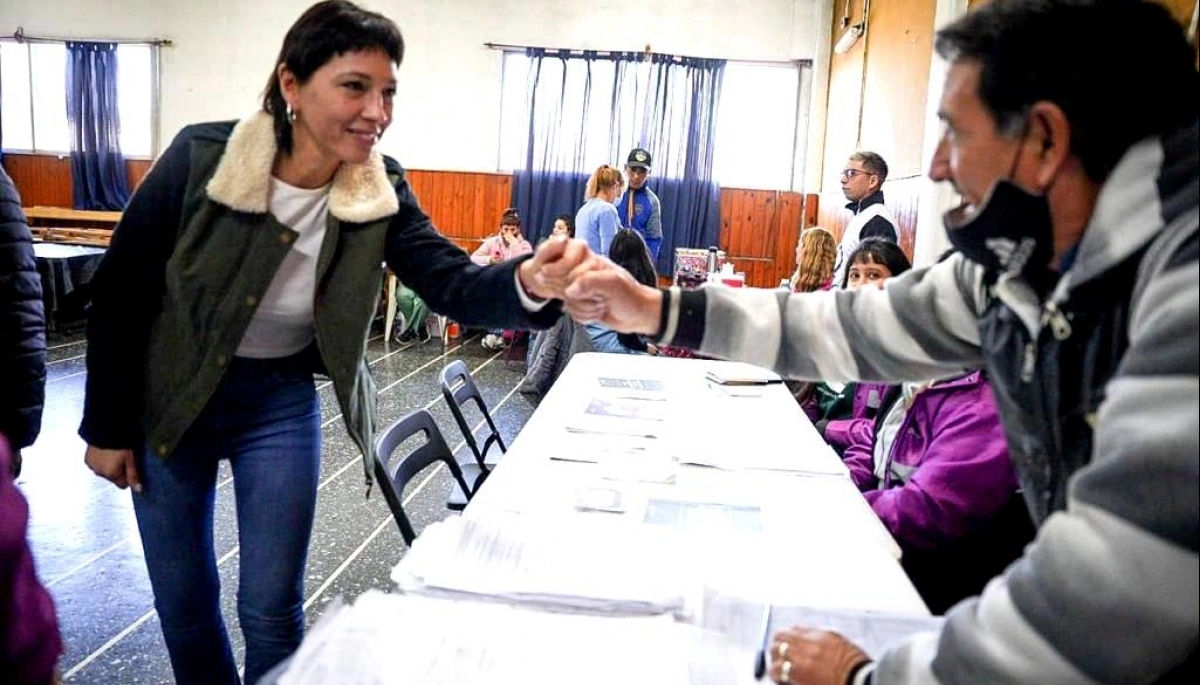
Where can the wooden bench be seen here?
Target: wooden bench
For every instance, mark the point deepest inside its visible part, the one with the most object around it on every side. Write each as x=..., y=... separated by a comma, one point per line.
x=98, y=237
x=74, y=218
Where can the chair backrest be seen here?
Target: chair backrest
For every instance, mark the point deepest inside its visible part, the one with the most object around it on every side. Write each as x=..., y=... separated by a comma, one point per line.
x=394, y=473
x=459, y=388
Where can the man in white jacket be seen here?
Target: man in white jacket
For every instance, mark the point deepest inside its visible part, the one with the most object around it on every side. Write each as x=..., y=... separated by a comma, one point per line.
x=862, y=179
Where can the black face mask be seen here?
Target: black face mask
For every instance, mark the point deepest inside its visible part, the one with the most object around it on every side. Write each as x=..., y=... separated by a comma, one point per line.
x=1010, y=233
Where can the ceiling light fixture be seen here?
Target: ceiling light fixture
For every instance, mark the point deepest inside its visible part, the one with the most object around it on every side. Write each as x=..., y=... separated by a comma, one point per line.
x=851, y=32
x=850, y=36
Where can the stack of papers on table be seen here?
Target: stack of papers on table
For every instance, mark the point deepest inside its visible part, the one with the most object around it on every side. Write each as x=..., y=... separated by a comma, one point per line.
x=386, y=639
x=603, y=567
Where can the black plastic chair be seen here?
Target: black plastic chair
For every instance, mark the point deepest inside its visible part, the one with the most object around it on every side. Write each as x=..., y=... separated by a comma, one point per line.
x=394, y=474
x=459, y=388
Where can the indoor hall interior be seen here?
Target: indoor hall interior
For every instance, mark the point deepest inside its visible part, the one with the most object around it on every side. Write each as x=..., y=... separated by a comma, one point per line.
x=804, y=84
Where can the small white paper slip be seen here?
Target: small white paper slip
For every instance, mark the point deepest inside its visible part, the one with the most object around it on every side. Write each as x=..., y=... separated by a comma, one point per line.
x=599, y=499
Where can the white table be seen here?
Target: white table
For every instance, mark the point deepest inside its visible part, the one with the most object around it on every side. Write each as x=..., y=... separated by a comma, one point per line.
x=796, y=535
x=819, y=541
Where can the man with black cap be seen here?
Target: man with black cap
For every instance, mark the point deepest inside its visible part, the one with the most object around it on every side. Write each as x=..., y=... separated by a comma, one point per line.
x=639, y=207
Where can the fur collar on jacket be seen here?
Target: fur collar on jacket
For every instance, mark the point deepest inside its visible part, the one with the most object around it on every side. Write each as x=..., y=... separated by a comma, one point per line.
x=359, y=192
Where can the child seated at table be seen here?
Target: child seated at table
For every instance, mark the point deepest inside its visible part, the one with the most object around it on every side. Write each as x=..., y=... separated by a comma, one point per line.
x=934, y=466
x=873, y=262
x=816, y=252
x=505, y=245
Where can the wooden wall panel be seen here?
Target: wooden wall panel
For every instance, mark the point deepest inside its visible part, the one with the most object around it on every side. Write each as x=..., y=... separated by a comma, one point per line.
x=759, y=229
x=40, y=179
x=465, y=207
x=45, y=180
x=901, y=196
x=136, y=171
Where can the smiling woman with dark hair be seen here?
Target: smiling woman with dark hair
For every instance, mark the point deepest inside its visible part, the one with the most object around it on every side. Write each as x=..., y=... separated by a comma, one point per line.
x=248, y=260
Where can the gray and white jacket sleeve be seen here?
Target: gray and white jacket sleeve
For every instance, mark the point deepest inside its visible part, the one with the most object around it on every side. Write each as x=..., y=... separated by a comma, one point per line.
x=1108, y=591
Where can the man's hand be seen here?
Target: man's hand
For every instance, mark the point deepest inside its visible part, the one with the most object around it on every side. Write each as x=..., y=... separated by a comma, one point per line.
x=813, y=657
x=555, y=264
x=117, y=466
x=613, y=297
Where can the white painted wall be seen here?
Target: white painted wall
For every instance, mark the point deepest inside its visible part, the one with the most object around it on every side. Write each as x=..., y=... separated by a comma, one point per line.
x=935, y=199
x=447, y=112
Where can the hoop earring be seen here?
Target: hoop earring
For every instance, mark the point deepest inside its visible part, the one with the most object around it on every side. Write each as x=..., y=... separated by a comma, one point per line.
x=291, y=113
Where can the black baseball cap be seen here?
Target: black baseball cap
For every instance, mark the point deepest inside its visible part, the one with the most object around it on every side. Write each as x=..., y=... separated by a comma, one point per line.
x=638, y=158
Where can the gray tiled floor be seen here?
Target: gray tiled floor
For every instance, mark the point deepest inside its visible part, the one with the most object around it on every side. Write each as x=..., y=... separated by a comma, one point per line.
x=86, y=544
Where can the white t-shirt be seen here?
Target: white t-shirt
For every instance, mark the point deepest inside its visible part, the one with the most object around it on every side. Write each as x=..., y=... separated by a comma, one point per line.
x=283, y=323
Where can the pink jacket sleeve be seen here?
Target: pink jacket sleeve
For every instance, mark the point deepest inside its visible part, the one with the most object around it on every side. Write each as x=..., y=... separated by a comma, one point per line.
x=483, y=255
x=521, y=247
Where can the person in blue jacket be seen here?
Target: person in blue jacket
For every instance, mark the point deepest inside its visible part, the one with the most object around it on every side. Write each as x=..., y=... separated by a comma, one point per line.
x=639, y=207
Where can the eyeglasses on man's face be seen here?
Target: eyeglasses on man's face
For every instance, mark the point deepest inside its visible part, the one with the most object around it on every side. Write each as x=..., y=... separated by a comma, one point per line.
x=854, y=173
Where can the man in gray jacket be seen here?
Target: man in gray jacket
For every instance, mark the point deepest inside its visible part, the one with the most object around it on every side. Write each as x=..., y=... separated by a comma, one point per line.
x=1076, y=284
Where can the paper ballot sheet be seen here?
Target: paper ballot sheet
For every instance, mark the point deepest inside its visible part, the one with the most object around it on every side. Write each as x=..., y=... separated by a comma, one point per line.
x=874, y=631
x=618, y=569
x=386, y=639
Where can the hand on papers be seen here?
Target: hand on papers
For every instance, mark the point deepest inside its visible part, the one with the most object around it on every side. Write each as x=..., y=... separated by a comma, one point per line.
x=609, y=295
x=555, y=264
x=813, y=657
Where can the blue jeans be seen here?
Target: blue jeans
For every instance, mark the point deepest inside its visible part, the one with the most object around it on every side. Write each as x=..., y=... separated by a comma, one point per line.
x=265, y=419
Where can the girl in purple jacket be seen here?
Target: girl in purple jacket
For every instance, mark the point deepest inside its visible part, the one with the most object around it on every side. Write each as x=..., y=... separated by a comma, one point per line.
x=934, y=467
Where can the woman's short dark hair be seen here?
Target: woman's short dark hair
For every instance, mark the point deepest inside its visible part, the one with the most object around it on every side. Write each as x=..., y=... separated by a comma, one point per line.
x=877, y=251
x=569, y=220
x=628, y=250
x=324, y=31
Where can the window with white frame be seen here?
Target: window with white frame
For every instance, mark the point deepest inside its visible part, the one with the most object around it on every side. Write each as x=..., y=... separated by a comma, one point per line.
x=33, y=85
x=759, y=131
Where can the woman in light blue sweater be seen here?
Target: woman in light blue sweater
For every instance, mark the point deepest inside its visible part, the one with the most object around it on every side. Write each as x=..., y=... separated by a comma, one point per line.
x=597, y=220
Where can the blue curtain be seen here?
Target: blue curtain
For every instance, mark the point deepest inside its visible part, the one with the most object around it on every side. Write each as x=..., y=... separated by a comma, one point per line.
x=97, y=166
x=554, y=175
x=587, y=109
x=679, y=129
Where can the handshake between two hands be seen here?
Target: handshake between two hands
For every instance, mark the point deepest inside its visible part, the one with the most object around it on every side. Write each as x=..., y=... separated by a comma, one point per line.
x=592, y=288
